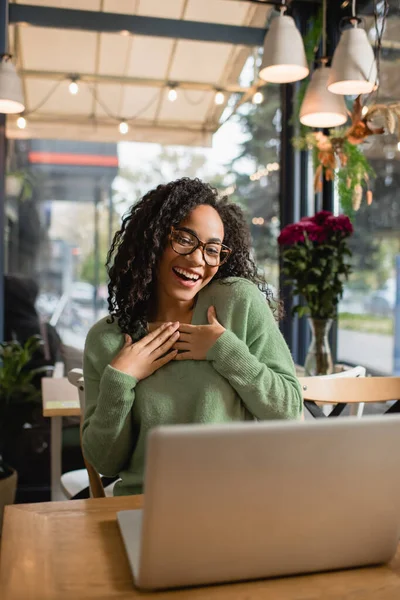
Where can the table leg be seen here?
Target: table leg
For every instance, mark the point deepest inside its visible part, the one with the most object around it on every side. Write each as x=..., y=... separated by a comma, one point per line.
x=55, y=459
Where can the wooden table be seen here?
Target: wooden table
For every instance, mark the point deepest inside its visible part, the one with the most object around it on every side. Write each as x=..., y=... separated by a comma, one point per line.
x=59, y=399
x=73, y=550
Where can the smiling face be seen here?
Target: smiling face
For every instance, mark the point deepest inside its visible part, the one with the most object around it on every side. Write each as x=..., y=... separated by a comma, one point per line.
x=181, y=277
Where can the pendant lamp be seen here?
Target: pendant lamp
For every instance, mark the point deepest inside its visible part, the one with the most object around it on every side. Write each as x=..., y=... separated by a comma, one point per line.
x=321, y=108
x=354, y=68
x=284, y=59
x=11, y=96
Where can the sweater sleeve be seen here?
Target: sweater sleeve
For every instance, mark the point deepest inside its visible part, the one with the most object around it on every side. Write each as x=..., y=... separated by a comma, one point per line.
x=261, y=368
x=107, y=433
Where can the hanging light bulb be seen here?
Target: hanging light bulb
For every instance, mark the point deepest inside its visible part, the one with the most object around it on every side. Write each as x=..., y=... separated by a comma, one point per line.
x=73, y=87
x=172, y=94
x=219, y=97
x=354, y=68
x=11, y=95
x=284, y=59
x=257, y=98
x=21, y=122
x=321, y=108
x=123, y=127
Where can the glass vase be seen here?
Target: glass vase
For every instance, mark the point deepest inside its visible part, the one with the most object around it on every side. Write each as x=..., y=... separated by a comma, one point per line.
x=319, y=357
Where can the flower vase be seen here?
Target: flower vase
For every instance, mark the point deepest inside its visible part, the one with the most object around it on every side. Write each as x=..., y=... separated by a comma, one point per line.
x=319, y=357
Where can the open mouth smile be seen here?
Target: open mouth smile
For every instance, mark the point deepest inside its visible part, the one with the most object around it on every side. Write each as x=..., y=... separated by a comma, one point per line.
x=186, y=277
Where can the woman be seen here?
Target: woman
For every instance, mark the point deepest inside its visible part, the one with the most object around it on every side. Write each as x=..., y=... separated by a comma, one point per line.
x=191, y=338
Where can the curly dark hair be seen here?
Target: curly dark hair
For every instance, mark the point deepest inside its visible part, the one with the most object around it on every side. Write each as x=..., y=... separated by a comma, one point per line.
x=136, y=250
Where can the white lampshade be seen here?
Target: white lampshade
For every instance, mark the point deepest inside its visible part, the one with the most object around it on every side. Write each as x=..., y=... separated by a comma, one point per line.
x=11, y=96
x=321, y=108
x=284, y=59
x=353, y=69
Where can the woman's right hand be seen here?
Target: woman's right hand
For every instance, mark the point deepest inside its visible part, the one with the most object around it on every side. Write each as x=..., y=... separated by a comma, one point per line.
x=142, y=358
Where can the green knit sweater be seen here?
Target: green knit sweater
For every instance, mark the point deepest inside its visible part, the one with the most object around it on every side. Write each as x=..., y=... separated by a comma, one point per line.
x=248, y=374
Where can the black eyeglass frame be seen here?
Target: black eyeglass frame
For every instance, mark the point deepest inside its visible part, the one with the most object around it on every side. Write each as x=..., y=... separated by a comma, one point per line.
x=200, y=244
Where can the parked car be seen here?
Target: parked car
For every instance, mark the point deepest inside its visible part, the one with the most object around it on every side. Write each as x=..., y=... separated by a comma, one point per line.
x=82, y=292
x=382, y=302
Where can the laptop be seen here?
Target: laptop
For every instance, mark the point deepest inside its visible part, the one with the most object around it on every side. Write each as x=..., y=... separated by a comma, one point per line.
x=252, y=500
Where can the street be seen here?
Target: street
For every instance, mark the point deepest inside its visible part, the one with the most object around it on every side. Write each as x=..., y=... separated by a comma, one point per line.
x=366, y=349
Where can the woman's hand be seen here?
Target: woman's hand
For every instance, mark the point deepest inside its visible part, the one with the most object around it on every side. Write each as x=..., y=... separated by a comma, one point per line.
x=196, y=340
x=141, y=359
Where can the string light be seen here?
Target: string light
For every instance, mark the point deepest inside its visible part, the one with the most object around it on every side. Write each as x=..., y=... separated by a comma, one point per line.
x=123, y=127
x=219, y=97
x=229, y=190
x=73, y=87
x=258, y=221
x=270, y=168
x=398, y=146
x=258, y=98
x=172, y=94
x=21, y=122
x=364, y=110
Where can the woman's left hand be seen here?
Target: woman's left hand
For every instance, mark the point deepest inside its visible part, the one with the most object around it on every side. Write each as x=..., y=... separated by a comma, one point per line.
x=196, y=340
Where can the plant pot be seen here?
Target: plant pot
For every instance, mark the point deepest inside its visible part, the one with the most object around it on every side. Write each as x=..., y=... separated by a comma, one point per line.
x=8, y=487
x=319, y=357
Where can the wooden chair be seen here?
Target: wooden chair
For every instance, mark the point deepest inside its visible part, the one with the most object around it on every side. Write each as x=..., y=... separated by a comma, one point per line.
x=342, y=391
x=74, y=482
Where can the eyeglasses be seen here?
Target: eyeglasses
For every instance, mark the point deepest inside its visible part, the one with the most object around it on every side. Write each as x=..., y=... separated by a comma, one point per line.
x=183, y=242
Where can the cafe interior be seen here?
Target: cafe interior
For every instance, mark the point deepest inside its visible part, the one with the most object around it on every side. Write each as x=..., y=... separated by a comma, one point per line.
x=290, y=111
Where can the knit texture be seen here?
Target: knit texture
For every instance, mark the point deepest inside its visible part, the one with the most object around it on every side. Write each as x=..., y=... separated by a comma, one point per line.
x=248, y=374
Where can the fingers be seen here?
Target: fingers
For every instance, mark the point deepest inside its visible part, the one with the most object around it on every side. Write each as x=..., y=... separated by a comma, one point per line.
x=181, y=345
x=153, y=326
x=160, y=350
x=212, y=315
x=185, y=328
x=185, y=337
x=159, y=335
x=164, y=360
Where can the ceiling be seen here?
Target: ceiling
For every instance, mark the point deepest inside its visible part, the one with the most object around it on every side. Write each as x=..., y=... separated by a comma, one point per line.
x=126, y=76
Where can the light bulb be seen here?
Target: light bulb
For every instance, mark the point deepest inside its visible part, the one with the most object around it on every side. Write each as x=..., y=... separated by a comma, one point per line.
x=21, y=122
x=364, y=110
x=73, y=88
x=353, y=69
x=284, y=59
x=219, y=98
x=172, y=94
x=257, y=98
x=123, y=127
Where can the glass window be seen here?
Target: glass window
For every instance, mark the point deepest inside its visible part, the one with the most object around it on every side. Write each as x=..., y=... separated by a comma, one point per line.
x=367, y=311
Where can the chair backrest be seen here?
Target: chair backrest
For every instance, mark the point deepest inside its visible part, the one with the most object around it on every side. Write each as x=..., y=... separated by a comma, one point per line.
x=353, y=372
x=334, y=390
x=75, y=377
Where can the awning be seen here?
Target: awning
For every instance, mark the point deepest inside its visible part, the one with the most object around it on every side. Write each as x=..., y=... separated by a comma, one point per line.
x=124, y=75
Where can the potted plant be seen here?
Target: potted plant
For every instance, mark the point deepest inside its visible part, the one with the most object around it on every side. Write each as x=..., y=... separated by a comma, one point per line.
x=315, y=259
x=18, y=395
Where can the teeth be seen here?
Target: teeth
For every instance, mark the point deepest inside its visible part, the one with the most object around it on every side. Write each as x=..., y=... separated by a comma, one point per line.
x=187, y=274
